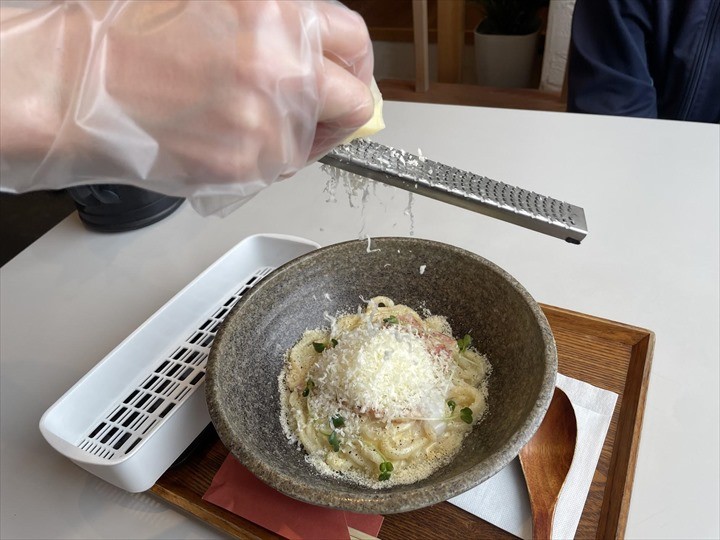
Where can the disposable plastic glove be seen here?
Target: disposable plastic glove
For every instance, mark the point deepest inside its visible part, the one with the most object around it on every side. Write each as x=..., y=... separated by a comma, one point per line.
x=212, y=100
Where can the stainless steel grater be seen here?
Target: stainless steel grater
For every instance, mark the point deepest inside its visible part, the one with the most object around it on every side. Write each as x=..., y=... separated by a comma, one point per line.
x=461, y=188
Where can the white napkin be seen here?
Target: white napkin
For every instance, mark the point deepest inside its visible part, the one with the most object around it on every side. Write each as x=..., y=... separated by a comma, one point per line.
x=503, y=499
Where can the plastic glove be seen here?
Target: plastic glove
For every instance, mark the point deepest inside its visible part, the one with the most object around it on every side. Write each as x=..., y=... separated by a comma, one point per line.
x=203, y=99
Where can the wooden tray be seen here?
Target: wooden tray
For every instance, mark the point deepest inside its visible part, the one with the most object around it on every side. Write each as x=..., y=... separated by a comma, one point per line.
x=606, y=354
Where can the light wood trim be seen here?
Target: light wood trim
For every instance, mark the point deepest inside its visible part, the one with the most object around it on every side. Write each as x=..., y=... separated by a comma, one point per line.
x=451, y=39
x=472, y=95
x=420, y=38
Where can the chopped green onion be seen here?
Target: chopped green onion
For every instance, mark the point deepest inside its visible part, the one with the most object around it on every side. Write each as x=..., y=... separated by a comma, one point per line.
x=385, y=469
x=464, y=343
x=338, y=421
x=392, y=319
x=466, y=415
x=320, y=347
x=334, y=441
x=381, y=304
x=452, y=405
x=308, y=387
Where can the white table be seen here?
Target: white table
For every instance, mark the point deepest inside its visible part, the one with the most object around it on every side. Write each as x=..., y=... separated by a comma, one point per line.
x=650, y=190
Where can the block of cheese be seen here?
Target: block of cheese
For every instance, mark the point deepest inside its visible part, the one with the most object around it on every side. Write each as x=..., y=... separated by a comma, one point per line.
x=376, y=123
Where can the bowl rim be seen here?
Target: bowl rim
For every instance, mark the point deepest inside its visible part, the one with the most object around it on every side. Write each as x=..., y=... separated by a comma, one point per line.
x=409, y=498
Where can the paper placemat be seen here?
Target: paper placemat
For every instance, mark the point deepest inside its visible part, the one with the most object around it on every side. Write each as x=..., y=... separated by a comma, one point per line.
x=503, y=499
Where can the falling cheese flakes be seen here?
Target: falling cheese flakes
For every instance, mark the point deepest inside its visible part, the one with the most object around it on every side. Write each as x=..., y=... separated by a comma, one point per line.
x=357, y=189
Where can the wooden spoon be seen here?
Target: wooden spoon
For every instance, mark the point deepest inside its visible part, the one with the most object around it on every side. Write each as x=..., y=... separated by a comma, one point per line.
x=546, y=460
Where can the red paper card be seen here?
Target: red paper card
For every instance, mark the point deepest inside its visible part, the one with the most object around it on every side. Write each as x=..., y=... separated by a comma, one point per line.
x=237, y=490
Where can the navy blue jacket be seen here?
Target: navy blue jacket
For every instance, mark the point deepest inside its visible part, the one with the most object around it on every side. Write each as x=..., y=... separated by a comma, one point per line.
x=646, y=58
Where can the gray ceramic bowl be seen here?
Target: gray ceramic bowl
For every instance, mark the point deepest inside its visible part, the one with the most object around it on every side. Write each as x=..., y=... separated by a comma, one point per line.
x=476, y=296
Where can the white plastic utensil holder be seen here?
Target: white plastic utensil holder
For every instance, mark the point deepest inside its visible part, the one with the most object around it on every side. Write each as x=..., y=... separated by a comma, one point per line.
x=130, y=417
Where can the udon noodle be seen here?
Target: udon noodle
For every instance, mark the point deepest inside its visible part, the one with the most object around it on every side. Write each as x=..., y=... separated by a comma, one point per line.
x=383, y=396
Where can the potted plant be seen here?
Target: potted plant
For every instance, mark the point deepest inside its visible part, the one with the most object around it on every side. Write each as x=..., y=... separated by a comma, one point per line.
x=506, y=42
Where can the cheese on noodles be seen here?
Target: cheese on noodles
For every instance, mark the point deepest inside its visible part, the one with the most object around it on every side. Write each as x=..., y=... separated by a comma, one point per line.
x=383, y=396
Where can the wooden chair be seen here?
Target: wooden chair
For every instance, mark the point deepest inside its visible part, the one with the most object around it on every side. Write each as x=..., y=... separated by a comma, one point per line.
x=448, y=89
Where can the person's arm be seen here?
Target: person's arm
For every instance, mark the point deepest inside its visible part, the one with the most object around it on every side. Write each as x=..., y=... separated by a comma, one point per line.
x=608, y=70
x=181, y=97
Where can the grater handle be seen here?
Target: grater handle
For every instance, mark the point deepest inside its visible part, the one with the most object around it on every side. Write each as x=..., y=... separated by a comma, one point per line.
x=460, y=188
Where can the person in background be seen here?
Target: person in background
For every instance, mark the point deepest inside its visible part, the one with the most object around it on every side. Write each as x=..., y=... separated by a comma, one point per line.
x=211, y=100
x=646, y=58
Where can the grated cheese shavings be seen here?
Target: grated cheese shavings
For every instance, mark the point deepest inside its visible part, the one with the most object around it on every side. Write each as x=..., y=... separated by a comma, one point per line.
x=387, y=371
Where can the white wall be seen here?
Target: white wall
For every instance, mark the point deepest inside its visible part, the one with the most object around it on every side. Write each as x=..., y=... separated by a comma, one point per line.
x=557, y=44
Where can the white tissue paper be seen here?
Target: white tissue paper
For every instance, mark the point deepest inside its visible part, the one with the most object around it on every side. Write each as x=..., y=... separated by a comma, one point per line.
x=503, y=499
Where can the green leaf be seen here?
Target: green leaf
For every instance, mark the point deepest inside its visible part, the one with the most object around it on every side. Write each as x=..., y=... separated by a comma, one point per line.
x=334, y=342
x=338, y=421
x=466, y=415
x=334, y=441
x=392, y=319
x=385, y=469
x=452, y=405
x=464, y=343
x=309, y=385
x=319, y=347
x=388, y=466
x=509, y=17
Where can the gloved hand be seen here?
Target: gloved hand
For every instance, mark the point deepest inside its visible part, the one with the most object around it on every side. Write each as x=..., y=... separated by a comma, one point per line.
x=188, y=98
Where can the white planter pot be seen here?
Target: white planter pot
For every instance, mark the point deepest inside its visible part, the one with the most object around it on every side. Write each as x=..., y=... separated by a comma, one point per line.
x=505, y=61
